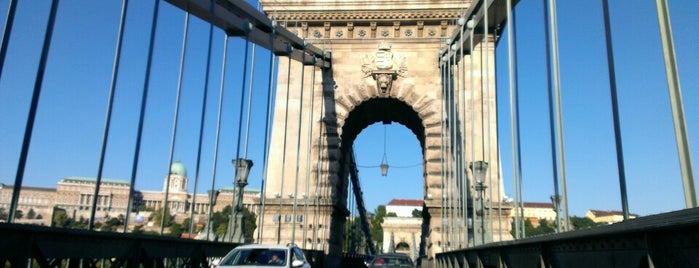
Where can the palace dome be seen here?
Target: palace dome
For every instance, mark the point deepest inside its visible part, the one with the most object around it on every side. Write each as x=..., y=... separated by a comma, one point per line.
x=178, y=168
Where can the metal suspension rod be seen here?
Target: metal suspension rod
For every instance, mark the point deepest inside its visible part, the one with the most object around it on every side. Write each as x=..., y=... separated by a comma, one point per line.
x=316, y=199
x=676, y=104
x=238, y=193
x=462, y=170
x=443, y=195
x=252, y=82
x=144, y=99
x=486, y=122
x=175, y=119
x=108, y=118
x=298, y=153
x=242, y=96
x=213, y=194
x=450, y=148
x=48, y=33
x=458, y=89
x=514, y=116
x=455, y=155
x=308, y=156
x=286, y=121
x=7, y=32
x=481, y=194
x=268, y=119
x=556, y=109
x=471, y=25
x=556, y=194
x=201, y=122
x=615, y=111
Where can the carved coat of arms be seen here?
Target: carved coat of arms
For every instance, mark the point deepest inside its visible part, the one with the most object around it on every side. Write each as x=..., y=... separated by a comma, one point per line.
x=384, y=67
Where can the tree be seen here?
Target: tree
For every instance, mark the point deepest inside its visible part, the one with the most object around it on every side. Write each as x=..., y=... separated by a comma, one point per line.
x=417, y=213
x=250, y=224
x=60, y=218
x=544, y=228
x=112, y=224
x=3, y=214
x=376, y=230
x=157, y=217
x=31, y=214
x=582, y=223
x=176, y=230
x=19, y=214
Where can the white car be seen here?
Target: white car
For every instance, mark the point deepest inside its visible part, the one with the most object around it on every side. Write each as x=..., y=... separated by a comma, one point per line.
x=265, y=255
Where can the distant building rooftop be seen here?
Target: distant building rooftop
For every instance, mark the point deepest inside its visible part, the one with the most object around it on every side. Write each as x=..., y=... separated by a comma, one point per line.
x=93, y=180
x=407, y=202
x=537, y=205
x=605, y=213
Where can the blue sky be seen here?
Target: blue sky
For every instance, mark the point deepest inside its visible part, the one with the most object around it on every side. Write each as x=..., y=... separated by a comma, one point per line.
x=70, y=119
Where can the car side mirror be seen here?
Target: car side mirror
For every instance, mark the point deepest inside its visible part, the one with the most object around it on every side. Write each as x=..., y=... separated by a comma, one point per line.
x=297, y=263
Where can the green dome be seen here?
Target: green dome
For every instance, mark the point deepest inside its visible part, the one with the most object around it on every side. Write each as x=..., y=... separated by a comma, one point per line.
x=177, y=168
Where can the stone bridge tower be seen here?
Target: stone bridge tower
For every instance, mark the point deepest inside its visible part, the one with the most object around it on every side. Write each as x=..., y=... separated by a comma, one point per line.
x=385, y=67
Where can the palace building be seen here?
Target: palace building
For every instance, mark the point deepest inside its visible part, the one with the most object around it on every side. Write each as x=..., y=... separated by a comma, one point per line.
x=75, y=196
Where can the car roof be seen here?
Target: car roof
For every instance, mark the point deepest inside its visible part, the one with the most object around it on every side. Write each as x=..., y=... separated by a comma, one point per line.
x=272, y=246
x=391, y=255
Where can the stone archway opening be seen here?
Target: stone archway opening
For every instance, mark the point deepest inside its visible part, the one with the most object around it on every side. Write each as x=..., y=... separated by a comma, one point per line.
x=381, y=110
x=386, y=110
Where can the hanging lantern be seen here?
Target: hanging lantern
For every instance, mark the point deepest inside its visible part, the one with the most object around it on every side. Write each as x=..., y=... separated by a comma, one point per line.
x=242, y=170
x=384, y=160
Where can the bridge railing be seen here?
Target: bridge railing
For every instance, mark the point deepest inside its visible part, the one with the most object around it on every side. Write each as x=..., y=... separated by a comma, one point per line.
x=663, y=240
x=38, y=246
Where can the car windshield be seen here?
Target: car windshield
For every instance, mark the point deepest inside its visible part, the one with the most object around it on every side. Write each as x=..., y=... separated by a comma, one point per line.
x=255, y=256
x=392, y=261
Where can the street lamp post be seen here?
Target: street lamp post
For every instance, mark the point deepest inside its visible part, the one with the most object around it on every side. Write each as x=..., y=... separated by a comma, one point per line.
x=213, y=195
x=242, y=171
x=479, y=168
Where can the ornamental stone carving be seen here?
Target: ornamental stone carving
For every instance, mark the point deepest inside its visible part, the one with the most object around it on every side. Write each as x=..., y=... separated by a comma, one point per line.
x=384, y=67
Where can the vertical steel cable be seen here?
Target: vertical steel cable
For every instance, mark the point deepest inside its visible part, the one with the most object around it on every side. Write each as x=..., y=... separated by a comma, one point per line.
x=464, y=176
x=319, y=168
x=48, y=33
x=485, y=101
x=556, y=109
x=472, y=25
x=308, y=156
x=615, y=111
x=108, y=119
x=449, y=147
x=676, y=104
x=298, y=152
x=453, y=151
x=457, y=144
x=247, y=120
x=175, y=119
x=237, y=193
x=441, y=134
x=556, y=193
x=201, y=120
x=286, y=121
x=144, y=99
x=7, y=32
x=242, y=90
x=514, y=115
x=213, y=195
x=270, y=100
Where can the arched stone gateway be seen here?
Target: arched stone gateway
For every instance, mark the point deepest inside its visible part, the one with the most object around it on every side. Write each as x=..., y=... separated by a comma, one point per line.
x=385, y=67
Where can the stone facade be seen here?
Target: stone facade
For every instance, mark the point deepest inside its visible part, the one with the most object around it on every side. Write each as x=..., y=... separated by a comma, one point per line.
x=385, y=67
